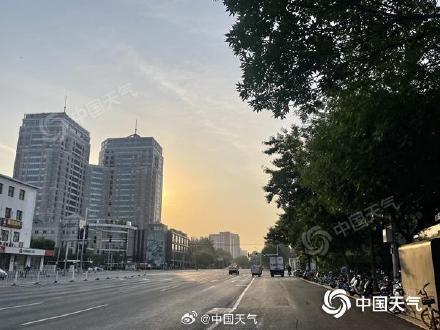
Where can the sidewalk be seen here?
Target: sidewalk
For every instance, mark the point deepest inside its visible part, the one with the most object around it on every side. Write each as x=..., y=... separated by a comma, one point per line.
x=405, y=317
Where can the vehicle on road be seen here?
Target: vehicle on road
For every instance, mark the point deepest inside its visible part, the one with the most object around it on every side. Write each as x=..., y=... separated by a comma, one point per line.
x=256, y=270
x=233, y=269
x=276, y=266
x=95, y=269
x=3, y=274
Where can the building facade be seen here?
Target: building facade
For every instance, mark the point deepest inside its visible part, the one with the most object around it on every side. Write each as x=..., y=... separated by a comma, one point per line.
x=228, y=242
x=177, y=249
x=111, y=237
x=135, y=176
x=155, y=238
x=53, y=154
x=97, y=192
x=17, y=205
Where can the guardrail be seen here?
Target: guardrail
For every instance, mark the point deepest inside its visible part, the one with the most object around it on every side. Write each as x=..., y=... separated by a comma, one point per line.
x=35, y=277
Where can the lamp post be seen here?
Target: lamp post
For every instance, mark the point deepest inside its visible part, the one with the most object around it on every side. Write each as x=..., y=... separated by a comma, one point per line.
x=83, y=239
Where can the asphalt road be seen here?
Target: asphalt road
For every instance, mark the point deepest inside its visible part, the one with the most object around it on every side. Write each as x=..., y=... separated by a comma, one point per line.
x=158, y=300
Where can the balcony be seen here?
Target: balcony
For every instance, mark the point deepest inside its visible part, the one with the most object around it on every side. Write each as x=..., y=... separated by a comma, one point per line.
x=11, y=223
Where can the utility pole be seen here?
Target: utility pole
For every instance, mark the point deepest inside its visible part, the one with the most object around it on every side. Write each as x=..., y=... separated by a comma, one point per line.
x=394, y=250
x=83, y=239
x=65, y=257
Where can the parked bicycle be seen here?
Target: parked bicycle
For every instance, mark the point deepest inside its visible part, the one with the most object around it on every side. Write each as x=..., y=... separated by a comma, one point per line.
x=430, y=316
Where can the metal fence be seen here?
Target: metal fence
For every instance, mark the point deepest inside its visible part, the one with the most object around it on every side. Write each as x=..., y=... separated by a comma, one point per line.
x=30, y=277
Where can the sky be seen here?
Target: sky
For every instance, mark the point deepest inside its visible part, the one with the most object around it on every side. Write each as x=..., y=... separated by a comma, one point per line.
x=163, y=63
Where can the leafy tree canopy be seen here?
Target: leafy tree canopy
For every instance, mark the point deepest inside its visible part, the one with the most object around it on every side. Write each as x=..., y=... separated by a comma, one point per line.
x=298, y=54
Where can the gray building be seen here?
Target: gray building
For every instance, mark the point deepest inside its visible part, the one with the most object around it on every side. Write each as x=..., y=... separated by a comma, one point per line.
x=135, y=182
x=53, y=154
x=97, y=192
x=113, y=238
x=228, y=242
x=177, y=249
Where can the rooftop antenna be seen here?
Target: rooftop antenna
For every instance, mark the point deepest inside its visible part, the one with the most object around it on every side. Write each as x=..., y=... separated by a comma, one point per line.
x=136, y=127
x=65, y=103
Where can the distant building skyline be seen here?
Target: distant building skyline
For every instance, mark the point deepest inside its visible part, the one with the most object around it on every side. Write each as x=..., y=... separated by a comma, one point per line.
x=227, y=241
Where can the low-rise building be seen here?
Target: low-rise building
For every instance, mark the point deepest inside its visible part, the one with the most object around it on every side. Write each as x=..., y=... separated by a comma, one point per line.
x=177, y=249
x=17, y=206
x=111, y=237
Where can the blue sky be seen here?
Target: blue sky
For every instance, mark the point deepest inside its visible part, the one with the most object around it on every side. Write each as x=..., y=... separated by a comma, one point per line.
x=163, y=63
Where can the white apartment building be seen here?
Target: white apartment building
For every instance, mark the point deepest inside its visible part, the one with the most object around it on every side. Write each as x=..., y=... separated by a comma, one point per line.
x=17, y=206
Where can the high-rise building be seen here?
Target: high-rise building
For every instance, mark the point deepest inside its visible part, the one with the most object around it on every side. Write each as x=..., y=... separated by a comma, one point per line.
x=127, y=184
x=135, y=185
x=97, y=192
x=53, y=154
x=227, y=241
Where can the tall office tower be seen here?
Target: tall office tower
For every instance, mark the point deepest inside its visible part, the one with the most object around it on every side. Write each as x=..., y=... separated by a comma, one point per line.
x=97, y=192
x=52, y=154
x=135, y=185
x=227, y=241
x=136, y=166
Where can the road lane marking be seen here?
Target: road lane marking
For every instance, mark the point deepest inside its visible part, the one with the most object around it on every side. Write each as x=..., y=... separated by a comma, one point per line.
x=18, y=306
x=211, y=287
x=64, y=315
x=237, y=303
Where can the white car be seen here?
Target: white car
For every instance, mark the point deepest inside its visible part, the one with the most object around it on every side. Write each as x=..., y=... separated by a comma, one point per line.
x=3, y=274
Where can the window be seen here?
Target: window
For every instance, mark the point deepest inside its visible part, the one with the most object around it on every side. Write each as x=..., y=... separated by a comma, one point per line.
x=8, y=212
x=11, y=191
x=1, y=188
x=21, y=195
x=5, y=235
x=19, y=215
x=16, y=237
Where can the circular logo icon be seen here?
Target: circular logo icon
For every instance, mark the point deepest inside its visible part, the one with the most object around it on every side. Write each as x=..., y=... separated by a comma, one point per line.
x=316, y=241
x=339, y=298
x=189, y=318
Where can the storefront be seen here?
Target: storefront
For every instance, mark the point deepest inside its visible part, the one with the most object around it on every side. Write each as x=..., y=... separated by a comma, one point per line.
x=13, y=258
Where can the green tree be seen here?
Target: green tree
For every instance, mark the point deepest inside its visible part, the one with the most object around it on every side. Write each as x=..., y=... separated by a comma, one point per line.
x=299, y=54
x=242, y=262
x=202, y=253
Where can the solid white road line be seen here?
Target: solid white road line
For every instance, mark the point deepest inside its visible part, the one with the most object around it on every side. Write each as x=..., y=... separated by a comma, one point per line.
x=237, y=303
x=64, y=315
x=18, y=306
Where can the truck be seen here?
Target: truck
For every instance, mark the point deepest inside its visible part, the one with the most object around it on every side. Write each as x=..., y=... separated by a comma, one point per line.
x=256, y=270
x=276, y=266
